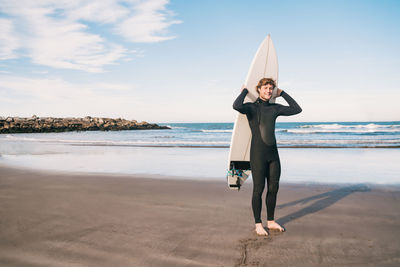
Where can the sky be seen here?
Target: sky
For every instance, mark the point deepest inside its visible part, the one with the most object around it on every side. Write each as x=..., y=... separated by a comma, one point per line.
x=185, y=60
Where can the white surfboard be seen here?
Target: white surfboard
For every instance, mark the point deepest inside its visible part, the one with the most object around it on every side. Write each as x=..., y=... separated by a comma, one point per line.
x=264, y=65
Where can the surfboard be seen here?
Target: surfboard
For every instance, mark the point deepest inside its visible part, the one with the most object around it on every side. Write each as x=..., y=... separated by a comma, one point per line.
x=264, y=65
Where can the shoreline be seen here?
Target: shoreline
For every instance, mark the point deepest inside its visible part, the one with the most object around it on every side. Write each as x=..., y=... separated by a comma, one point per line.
x=187, y=146
x=179, y=178
x=101, y=220
x=209, y=146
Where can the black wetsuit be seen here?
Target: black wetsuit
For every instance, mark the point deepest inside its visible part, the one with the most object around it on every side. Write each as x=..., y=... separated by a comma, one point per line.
x=264, y=157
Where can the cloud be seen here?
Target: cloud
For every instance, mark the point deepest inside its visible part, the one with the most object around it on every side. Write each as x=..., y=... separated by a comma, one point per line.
x=22, y=96
x=40, y=72
x=80, y=34
x=148, y=24
x=58, y=89
x=8, y=42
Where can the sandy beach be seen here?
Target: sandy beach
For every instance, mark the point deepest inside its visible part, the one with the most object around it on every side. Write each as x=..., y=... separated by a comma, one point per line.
x=60, y=219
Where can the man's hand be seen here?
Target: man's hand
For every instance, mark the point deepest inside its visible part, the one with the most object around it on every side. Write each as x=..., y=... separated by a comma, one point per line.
x=278, y=92
x=243, y=87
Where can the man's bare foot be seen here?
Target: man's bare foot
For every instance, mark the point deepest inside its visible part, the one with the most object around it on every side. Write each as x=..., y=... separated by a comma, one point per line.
x=275, y=226
x=260, y=229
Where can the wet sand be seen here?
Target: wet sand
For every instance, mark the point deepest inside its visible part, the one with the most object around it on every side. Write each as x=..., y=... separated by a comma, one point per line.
x=59, y=219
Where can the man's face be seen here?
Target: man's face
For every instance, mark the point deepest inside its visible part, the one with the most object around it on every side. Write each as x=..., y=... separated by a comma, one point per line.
x=266, y=91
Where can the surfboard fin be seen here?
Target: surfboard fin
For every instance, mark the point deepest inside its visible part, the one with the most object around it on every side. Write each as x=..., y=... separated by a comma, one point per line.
x=238, y=183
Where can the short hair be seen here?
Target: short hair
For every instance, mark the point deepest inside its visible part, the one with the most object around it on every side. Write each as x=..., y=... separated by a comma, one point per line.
x=265, y=81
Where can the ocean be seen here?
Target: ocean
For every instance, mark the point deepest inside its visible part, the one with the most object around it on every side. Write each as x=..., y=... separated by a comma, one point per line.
x=322, y=152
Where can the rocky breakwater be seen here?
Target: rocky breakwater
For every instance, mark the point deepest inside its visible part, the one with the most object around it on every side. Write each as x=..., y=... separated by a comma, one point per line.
x=36, y=124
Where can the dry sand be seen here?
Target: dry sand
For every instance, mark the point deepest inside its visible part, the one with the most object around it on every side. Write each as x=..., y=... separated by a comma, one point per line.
x=58, y=219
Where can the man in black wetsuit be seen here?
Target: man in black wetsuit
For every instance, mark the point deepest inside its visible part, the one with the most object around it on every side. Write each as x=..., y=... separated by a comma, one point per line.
x=264, y=157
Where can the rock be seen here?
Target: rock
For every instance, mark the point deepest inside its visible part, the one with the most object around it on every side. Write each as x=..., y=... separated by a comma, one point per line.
x=50, y=124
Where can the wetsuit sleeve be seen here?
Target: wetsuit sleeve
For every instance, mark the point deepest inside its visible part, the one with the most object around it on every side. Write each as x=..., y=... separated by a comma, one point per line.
x=293, y=107
x=238, y=104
